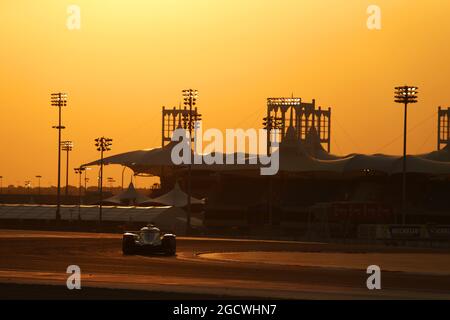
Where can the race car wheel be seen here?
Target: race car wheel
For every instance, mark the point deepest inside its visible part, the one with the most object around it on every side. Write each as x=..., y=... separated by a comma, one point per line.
x=128, y=246
x=169, y=244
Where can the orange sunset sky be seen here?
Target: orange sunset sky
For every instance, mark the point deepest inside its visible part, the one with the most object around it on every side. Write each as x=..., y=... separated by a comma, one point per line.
x=131, y=57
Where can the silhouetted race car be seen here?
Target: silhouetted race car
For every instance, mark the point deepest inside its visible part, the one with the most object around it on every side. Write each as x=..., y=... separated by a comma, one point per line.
x=149, y=240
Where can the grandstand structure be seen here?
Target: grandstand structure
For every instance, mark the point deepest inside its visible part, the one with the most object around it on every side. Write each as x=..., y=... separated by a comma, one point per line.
x=176, y=118
x=302, y=116
x=312, y=184
x=443, y=127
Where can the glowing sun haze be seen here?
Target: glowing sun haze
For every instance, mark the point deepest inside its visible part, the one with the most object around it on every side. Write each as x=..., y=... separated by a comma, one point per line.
x=132, y=57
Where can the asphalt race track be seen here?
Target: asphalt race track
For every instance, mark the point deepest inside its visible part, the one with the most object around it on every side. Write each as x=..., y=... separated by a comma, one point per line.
x=34, y=263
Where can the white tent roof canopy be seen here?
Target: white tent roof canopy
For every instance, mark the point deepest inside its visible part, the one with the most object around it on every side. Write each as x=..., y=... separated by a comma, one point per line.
x=176, y=198
x=294, y=156
x=442, y=155
x=130, y=195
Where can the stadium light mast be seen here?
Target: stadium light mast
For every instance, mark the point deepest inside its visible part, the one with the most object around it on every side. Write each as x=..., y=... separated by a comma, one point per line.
x=79, y=171
x=123, y=172
x=274, y=123
x=67, y=146
x=28, y=186
x=39, y=184
x=405, y=95
x=190, y=100
x=86, y=179
x=103, y=144
x=59, y=100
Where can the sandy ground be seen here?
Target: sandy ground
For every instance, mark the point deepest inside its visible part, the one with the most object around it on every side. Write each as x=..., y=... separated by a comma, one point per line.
x=419, y=263
x=41, y=258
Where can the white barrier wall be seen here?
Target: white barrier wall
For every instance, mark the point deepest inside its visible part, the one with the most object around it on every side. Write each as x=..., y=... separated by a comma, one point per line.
x=87, y=213
x=403, y=232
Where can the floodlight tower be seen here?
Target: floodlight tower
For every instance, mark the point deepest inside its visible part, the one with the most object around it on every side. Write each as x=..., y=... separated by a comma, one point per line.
x=67, y=146
x=86, y=179
x=39, y=184
x=275, y=124
x=28, y=186
x=79, y=171
x=103, y=144
x=190, y=100
x=271, y=123
x=123, y=172
x=59, y=100
x=405, y=95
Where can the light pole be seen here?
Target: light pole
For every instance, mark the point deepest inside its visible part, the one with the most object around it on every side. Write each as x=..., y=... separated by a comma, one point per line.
x=103, y=144
x=123, y=172
x=86, y=179
x=190, y=100
x=405, y=95
x=28, y=186
x=79, y=171
x=39, y=184
x=59, y=100
x=271, y=123
x=67, y=146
